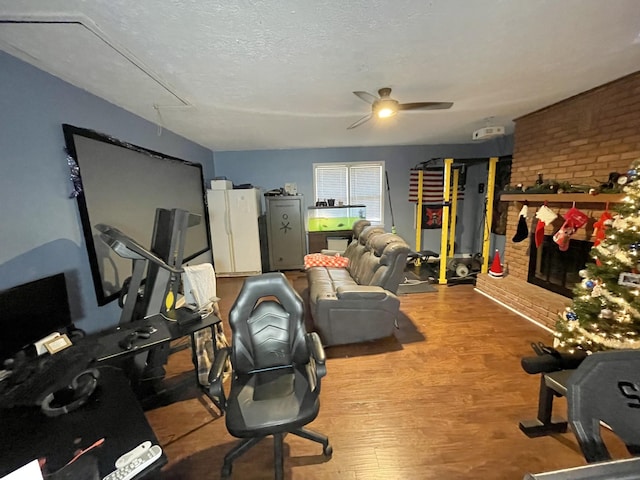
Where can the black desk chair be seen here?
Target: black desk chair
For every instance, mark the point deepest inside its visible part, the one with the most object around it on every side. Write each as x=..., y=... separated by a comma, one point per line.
x=277, y=367
x=605, y=388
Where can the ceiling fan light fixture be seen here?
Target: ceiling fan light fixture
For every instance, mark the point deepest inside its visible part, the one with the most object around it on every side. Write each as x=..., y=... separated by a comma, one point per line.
x=386, y=113
x=386, y=108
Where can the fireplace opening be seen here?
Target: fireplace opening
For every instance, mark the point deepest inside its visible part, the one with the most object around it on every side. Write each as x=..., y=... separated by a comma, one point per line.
x=557, y=271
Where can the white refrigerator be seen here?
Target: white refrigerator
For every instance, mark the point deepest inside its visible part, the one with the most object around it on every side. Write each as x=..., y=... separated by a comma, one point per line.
x=235, y=235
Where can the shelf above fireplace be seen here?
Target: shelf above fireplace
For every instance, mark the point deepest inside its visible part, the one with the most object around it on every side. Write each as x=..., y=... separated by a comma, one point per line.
x=562, y=197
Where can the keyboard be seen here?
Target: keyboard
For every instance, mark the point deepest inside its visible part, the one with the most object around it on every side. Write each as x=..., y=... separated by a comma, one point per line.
x=38, y=377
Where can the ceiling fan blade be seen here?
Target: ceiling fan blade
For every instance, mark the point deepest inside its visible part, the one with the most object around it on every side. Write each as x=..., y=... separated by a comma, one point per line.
x=366, y=96
x=364, y=119
x=425, y=106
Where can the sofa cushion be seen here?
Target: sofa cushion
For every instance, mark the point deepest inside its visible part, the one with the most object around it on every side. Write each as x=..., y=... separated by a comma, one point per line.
x=357, y=263
x=384, y=262
x=360, y=249
x=355, y=237
x=359, y=226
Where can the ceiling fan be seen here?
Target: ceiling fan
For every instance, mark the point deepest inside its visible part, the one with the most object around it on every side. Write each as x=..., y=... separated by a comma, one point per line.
x=384, y=106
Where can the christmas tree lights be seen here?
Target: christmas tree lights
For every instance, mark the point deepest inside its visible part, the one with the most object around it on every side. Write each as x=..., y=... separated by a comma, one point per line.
x=605, y=312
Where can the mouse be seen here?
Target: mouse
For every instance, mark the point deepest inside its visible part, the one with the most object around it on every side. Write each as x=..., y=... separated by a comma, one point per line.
x=146, y=329
x=127, y=342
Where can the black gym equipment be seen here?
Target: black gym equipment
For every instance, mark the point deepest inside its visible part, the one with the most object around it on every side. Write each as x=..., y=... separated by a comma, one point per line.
x=601, y=389
x=157, y=293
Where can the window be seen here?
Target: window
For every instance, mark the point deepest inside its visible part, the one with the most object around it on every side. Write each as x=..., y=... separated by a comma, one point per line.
x=351, y=184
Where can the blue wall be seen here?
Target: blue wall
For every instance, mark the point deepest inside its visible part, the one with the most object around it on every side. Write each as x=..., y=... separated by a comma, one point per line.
x=273, y=168
x=41, y=230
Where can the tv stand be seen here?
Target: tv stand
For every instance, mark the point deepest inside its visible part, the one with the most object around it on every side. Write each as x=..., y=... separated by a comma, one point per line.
x=318, y=241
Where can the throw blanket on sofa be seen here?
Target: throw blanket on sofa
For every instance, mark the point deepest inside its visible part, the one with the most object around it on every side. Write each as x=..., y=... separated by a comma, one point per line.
x=322, y=260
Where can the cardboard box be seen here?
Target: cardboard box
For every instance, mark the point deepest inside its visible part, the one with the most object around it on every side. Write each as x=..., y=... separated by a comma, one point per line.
x=221, y=185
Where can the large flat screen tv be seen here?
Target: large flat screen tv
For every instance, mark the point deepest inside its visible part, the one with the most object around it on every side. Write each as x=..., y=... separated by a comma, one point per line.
x=122, y=185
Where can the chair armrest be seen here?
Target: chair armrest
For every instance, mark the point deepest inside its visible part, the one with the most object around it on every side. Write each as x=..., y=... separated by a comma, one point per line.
x=216, y=372
x=355, y=292
x=316, y=368
x=316, y=350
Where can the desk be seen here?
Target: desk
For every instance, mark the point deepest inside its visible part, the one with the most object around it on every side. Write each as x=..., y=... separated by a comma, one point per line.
x=142, y=368
x=112, y=413
x=165, y=332
x=108, y=340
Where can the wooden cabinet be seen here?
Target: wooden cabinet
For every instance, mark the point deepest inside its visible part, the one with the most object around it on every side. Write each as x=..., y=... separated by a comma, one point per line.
x=319, y=240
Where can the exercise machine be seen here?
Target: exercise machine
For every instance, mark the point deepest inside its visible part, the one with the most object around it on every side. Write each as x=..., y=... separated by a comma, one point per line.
x=448, y=262
x=157, y=294
x=163, y=264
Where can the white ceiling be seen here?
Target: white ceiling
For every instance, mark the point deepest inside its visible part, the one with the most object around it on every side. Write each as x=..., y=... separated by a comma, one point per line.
x=275, y=74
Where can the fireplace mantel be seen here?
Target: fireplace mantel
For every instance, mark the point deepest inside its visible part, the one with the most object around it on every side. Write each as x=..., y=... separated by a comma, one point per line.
x=556, y=198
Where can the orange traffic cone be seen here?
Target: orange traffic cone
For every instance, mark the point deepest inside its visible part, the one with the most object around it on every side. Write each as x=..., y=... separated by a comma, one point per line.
x=496, y=267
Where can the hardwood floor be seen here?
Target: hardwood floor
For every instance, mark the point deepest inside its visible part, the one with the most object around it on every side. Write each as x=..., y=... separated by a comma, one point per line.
x=439, y=400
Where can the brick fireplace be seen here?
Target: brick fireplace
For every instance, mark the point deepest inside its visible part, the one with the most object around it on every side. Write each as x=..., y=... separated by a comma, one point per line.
x=580, y=140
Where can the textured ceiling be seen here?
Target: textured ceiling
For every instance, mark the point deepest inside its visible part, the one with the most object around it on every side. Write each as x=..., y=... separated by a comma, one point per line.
x=265, y=74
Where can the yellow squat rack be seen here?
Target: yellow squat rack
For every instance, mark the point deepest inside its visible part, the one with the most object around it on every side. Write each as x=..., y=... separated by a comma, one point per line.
x=450, y=210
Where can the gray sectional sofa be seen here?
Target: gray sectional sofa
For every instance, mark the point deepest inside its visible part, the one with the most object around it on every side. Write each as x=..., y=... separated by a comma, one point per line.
x=359, y=303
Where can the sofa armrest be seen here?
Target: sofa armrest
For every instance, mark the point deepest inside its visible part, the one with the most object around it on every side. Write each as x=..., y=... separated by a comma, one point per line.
x=354, y=292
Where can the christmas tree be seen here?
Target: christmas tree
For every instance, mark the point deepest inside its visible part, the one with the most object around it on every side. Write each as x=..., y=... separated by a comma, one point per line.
x=605, y=312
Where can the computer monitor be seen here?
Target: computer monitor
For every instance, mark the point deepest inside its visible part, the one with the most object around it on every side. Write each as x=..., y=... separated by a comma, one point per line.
x=32, y=311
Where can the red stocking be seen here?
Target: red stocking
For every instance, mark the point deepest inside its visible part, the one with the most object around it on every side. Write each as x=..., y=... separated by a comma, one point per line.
x=545, y=217
x=563, y=235
x=539, y=235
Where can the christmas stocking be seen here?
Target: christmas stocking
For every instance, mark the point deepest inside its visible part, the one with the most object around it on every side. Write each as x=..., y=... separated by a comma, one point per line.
x=573, y=220
x=545, y=216
x=577, y=218
x=600, y=227
x=522, y=231
x=562, y=236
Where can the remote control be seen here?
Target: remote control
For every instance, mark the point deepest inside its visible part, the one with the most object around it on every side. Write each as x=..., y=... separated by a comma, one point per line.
x=136, y=452
x=136, y=465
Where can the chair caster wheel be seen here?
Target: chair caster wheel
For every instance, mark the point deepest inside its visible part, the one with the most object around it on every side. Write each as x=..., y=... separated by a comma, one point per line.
x=327, y=451
x=226, y=472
